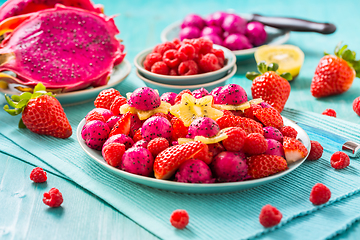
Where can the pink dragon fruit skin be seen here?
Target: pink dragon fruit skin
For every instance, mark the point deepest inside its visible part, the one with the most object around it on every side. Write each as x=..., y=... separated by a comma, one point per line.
x=137, y=160
x=203, y=126
x=168, y=97
x=216, y=148
x=194, y=171
x=215, y=93
x=106, y=113
x=95, y=134
x=145, y=99
x=120, y=138
x=230, y=167
x=63, y=58
x=13, y=8
x=199, y=93
x=155, y=127
x=232, y=94
x=273, y=133
x=141, y=143
x=112, y=121
x=275, y=148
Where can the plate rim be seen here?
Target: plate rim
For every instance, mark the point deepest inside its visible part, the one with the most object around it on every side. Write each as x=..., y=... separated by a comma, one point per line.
x=190, y=187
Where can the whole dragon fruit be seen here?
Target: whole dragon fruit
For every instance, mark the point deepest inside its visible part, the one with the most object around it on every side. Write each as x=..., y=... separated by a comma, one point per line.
x=13, y=8
x=95, y=134
x=156, y=127
x=64, y=48
x=137, y=160
x=231, y=94
x=203, y=126
x=145, y=99
x=194, y=171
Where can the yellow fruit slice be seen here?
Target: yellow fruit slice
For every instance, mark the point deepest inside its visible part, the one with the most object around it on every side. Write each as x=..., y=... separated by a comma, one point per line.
x=191, y=108
x=218, y=138
x=184, y=140
x=163, y=108
x=239, y=107
x=289, y=58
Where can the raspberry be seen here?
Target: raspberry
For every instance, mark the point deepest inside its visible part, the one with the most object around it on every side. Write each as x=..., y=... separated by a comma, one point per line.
x=192, y=43
x=38, y=175
x=179, y=218
x=112, y=153
x=182, y=56
x=339, y=160
x=176, y=41
x=288, y=131
x=179, y=129
x=178, y=97
x=209, y=63
x=269, y=216
x=255, y=144
x=188, y=68
x=320, y=194
x=163, y=47
x=137, y=136
x=151, y=59
x=316, y=151
x=171, y=58
x=173, y=72
x=356, y=105
x=206, y=45
x=219, y=53
x=235, y=140
x=53, y=198
x=227, y=120
x=329, y=112
x=117, y=103
x=157, y=145
x=106, y=98
x=160, y=68
x=94, y=116
x=188, y=50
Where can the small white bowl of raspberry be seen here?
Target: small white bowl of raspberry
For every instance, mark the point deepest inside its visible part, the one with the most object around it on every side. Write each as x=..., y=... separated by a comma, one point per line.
x=190, y=62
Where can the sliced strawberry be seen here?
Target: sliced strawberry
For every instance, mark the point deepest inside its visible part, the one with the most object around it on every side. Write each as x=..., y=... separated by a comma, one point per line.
x=169, y=160
x=227, y=120
x=235, y=140
x=179, y=129
x=204, y=155
x=122, y=126
x=294, y=149
x=116, y=104
x=135, y=124
x=94, y=116
x=137, y=136
x=179, y=96
x=249, y=125
x=270, y=117
x=265, y=165
x=215, y=149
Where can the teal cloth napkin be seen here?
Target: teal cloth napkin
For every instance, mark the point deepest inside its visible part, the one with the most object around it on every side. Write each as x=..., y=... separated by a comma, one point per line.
x=212, y=216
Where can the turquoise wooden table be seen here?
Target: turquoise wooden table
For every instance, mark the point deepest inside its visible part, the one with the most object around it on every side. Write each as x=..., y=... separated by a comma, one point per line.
x=84, y=215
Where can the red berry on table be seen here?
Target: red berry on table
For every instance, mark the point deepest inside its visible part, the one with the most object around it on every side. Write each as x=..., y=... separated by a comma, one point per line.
x=316, y=151
x=235, y=140
x=329, y=112
x=263, y=165
x=294, y=149
x=150, y=59
x=117, y=103
x=53, y=198
x=334, y=73
x=160, y=68
x=157, y=145
x=339, y=160
x=356, y=105
x=288, y=131
x=106, y=98
x=179, y=219
x=270, y=117
x=112, y=153
x=94, y=115
x=38, y=175
x=255, y=144
x=269, y=216
x=188, y=68
x=320, y=194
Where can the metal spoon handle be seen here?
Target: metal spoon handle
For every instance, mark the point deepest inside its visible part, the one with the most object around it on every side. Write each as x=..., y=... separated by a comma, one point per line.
x=295, y=24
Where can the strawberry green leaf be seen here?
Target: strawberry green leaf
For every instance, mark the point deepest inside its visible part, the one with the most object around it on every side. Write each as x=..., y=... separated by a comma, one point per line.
x=348, y=55
x=287, y=76
x=337, y=49
x=12, y=112
x=21, y=124
x=252, y=75
x=25, y=95
x=16, y=98
x=22, y=103
x=273, y=67
x=9, y=101
x=262, y=67
x=39, y=87
x=340, y=53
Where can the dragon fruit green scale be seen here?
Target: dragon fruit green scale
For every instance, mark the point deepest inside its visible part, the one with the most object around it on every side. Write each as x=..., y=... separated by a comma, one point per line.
x=64, y=48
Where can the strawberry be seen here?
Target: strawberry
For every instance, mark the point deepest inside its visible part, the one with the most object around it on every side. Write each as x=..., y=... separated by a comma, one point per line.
x=122, y=126
x=41, y=112
x=226, y=120
x=169, y=160
x=157, y=145
x=249, y=112
x=271, y=87
x=249, y=125
x=179, y=129
x=178, y=97
x=265, y=165
x=215, y=149
x=335, y=73
x=288, y=131
x=255, y=144
x=235, y=140
x=113, y=153
x=116, y=104
x=137, y=136
x=270, y=117
x=294, y=149
x=106, y=98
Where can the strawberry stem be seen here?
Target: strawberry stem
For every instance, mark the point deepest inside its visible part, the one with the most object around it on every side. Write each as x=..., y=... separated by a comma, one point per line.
x=349, y=56
x=263, y=68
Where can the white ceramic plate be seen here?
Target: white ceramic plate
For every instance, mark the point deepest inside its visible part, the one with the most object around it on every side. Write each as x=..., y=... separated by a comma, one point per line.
x=120, y=72
x=275, y=37
x=193, y=187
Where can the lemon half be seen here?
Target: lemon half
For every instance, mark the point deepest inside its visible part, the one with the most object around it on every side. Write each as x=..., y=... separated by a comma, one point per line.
x=289, y=58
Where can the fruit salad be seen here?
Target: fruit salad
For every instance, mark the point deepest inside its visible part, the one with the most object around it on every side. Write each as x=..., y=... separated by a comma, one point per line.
x=192, y=137
x=188, y=57
x=226, y=29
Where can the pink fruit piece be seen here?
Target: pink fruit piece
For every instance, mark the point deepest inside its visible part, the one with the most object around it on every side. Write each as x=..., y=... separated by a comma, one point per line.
x=141, y=143
x=232, y=94
x=237, y=41
x=203, y=126
x=256, y=33
x=274, y=148
x=210, y=30
x=216, y=39
x=112, y=121
x=120, y=138
x=265, y=105
x=138, y=161
x=199, y=93
x=106, y=113
x=215, y=93
x=215, y=19
x=230, y=167
x=194, y=171
x=155, y=127
x=216, y=148
x=63, y=58
x=273, y=133
x=145, y=99
x=95, y=134
x=168, y=97
x=189, y=33
x=193, y=20
x=234, y=24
